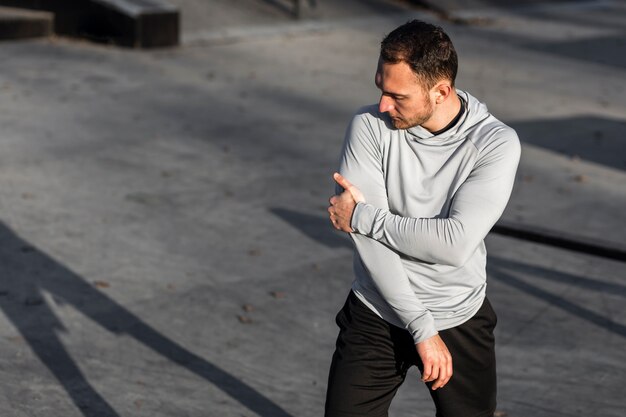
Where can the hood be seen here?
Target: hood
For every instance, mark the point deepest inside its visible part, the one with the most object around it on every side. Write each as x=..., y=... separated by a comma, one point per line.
x=475, y=113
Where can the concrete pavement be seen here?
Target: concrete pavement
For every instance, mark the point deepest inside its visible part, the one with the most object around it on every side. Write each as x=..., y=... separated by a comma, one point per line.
x=164, y=244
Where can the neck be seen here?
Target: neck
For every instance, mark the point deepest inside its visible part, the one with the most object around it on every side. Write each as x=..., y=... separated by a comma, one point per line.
x=443, y=113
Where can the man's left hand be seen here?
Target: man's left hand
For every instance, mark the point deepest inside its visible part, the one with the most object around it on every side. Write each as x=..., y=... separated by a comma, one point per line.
x=342, y=205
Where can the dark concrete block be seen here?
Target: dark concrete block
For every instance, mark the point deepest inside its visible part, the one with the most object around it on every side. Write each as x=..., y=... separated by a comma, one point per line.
x=19, y=24
x=133, y=23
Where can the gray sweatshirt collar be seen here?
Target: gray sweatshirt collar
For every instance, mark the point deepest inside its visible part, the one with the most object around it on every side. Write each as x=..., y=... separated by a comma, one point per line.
x=474, y=113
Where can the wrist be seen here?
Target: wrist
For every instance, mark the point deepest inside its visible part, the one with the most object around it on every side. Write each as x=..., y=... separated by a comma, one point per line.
x=355, y=215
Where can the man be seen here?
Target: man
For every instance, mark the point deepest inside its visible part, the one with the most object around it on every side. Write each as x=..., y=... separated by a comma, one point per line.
x=425, y=175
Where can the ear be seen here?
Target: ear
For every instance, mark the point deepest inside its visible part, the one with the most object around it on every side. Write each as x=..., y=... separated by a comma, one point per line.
x=441, y=91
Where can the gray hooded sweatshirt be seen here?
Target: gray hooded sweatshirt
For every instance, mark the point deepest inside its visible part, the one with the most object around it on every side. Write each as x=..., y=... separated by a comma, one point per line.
x=430, y=200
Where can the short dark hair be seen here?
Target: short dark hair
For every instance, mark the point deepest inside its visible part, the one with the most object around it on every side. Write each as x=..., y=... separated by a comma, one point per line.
x=426, y=48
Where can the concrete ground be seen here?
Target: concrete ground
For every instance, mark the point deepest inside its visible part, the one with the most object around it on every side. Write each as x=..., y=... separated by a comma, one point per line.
x=163, y=239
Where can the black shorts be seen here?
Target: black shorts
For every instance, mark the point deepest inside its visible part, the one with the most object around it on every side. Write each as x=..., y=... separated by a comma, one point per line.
x=372, y=358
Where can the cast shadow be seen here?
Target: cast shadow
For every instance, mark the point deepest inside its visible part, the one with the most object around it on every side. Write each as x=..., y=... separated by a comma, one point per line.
x=318, y=229
x=315, y=227
x=561, y=277
x=290, y=7
x=606, y=50
x=596, y=139
x=497, y=269
x=28, y=272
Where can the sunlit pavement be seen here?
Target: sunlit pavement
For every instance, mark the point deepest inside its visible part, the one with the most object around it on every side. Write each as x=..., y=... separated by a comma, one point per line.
x=163, y=238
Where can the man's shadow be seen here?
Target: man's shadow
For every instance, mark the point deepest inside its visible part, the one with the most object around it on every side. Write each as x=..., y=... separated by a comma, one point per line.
x=28, y=272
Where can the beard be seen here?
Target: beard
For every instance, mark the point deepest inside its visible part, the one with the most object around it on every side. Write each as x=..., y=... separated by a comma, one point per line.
x=416, y=119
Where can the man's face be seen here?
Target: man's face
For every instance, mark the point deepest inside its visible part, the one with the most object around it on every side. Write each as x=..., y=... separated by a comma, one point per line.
x=403, y=96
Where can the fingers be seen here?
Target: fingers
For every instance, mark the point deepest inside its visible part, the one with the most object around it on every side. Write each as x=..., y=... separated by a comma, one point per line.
x=342, y=205
x=339, y=198
x=444, y=372
x=437, y=362
x=345, y=184
x=428, y=370
x=335, y=219
x=442, y=379
x=439, y=374
x=435, y=374
x=332, y=215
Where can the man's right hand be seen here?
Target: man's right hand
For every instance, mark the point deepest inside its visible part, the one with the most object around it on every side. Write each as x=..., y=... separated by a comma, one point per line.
x=437, y=361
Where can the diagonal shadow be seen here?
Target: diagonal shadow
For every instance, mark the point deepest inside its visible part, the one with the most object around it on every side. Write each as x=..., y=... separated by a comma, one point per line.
x=592, y=138
x=562, y=277
x=355, y=6
x=315, y=227
x=318, y=229
x=27, y=272
x=39, y=327
x=287, y=7
x=559, y=302
x=605, y=50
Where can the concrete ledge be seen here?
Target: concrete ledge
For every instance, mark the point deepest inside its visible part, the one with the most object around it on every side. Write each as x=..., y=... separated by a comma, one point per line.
x=20, y=24
x=133, y=23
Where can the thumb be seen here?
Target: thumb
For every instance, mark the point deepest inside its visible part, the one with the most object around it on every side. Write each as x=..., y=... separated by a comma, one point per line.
x=345, y=184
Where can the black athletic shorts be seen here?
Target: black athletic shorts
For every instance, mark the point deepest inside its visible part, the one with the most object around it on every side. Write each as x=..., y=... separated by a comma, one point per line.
x=372, y=358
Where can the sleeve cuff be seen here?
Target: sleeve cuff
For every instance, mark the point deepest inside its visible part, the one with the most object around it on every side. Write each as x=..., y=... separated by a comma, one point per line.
x=422, y=328
x=363, y=217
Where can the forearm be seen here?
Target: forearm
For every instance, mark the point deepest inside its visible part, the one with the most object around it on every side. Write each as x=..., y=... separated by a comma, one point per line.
x=447, y=241
x=451, y=240
x=385, y=269
x=361, y=165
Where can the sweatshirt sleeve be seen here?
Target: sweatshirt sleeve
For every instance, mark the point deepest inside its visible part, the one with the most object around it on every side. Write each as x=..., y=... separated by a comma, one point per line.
x=361, y=164
x=476, y=206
